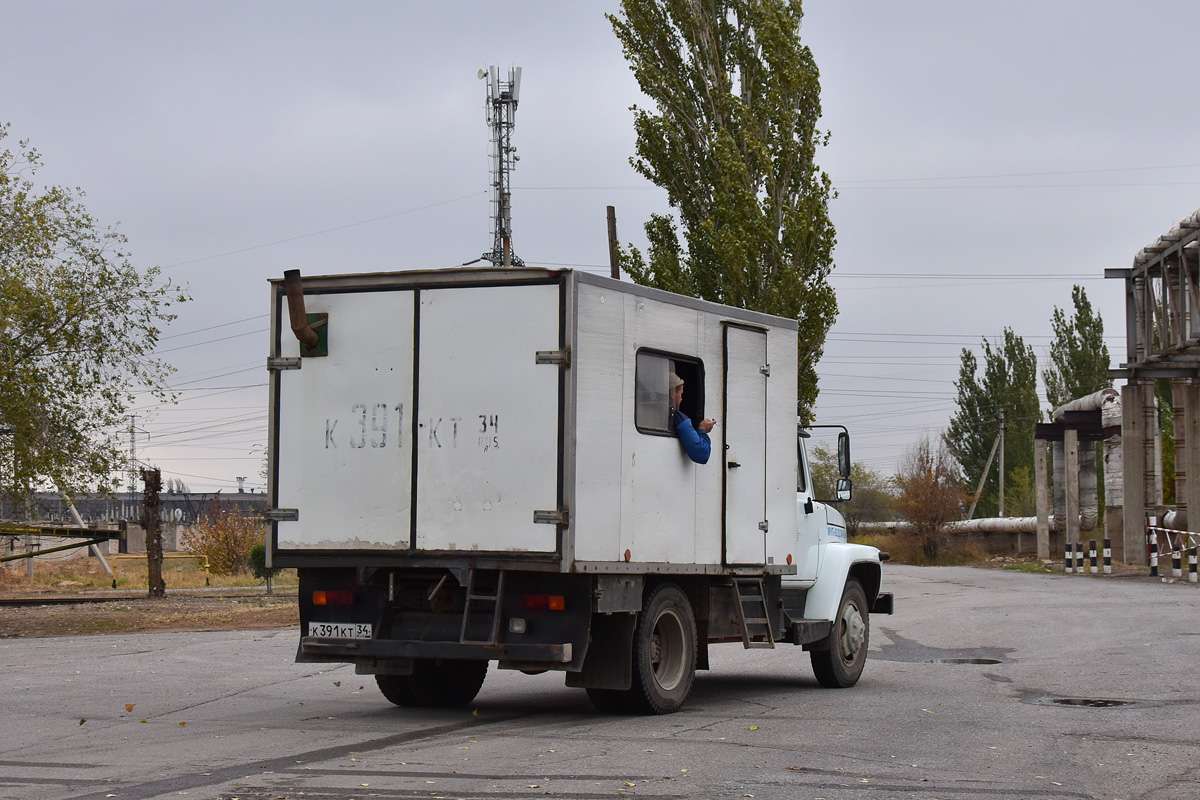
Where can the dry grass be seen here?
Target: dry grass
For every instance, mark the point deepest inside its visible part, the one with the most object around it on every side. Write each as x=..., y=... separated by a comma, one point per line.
x=73, y=572
x=906, y=549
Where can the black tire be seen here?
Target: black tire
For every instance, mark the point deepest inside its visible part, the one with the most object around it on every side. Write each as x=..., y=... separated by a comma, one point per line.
x=435, y=683
x=397, y=690
x=664, y=652
x=840, y=663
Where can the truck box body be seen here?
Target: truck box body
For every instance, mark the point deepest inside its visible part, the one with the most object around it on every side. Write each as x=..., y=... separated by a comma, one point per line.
x=521, y=416
x=480, y=465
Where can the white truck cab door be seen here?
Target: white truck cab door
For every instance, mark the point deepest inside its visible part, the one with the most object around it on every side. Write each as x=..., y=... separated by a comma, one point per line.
x=810, y=521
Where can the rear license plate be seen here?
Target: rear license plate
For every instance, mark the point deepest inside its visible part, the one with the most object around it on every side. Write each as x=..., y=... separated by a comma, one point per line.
x=340, y=630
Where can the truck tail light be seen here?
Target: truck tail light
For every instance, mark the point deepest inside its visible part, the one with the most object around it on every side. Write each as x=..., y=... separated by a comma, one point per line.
x=333, y=598
x=544, y=602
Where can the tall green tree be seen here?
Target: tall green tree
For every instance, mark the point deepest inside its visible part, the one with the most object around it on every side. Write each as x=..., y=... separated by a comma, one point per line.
x=733, y=140
x=78, y=327
x=1078, y=355
x=1008, y=382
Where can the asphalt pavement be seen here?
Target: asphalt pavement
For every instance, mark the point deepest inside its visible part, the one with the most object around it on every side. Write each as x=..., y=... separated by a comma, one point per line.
x=984, y=684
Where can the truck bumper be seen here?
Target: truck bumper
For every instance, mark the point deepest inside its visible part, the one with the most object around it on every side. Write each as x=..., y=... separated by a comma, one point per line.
x=314, y=648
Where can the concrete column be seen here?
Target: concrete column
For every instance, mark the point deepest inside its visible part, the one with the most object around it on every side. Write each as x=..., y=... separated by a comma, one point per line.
x=1187, y=455
x=1179, y=405
x=1071, y=448
x=1130, y=547
x=1042, y=495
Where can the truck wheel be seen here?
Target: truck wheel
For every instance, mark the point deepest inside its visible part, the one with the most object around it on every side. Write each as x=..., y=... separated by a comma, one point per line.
x=841, y=663
x=397, y=690
x=446, y=683
x=664, y=652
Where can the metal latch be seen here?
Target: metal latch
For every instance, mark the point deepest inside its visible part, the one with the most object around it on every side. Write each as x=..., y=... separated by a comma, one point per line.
x=762, y=526
x=283, y=363
x=765, y=369
x=282, y=514
x=562, y=357
x=553, y=517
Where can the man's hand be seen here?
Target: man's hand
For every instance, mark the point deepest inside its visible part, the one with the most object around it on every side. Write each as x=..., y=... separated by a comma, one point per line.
x=707, y=425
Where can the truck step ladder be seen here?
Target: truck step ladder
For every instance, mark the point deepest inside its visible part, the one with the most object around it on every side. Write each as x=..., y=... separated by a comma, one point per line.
x=483, y=589
x=751, y=597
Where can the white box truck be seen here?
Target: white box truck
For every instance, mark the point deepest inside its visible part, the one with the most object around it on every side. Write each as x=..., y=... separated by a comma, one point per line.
x=480, y=465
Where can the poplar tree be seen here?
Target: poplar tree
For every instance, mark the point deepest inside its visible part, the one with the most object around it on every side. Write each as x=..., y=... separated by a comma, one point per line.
x=1008, y=382
x=733, y=139
x=78, y=327
x=1078, y=355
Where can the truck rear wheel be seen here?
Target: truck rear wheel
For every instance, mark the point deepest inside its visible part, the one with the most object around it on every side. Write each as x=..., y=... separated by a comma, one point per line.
x=839, y=665
x=435, y=683
x=664, y=652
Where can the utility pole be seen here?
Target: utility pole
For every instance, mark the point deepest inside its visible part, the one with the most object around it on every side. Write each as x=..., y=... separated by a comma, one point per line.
x=1003, y=428
x=501, y=109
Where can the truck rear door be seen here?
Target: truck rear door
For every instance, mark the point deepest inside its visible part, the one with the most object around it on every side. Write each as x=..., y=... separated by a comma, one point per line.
x=429, y=426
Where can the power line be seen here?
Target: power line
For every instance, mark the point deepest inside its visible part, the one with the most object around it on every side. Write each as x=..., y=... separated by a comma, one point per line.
x=324, y=231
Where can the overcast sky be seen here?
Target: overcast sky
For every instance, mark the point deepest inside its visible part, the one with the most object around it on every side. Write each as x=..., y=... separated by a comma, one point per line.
x=988, y=155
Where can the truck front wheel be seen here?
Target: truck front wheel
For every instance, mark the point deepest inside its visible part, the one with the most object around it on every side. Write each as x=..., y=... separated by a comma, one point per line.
x=435, y=683
x=664, y=652
x=840, y=663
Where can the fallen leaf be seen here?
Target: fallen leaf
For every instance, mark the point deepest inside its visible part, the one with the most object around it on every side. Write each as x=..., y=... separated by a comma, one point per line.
x=182, y=724
x=475, y=713
x=361, y=688
x=337, y=683
x=82, y=721
x=926, y=710
x=129, y=706
x=143, y=720
x=797, y=768
x=627, y=783
x=751, y=728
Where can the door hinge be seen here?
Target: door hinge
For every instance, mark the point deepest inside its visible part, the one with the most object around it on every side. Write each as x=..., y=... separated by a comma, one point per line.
x=562, y=357
x=552, y=517
x=762, y=526
x=765, y=369
x=283, y=363
x=282, y=514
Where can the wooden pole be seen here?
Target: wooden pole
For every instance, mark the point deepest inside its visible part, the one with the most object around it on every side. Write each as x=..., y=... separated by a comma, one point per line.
x=612, y=243
x=151, y=522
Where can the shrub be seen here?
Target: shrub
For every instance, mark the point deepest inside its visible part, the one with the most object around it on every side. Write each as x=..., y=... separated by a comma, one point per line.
x=258, y=565
x=226, y=535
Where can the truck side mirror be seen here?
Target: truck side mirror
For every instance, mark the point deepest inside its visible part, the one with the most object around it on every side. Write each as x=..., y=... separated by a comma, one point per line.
x=843, y=450
x=844, y=490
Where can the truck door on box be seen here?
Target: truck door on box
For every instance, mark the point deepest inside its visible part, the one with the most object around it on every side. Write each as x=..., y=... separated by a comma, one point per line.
x=344, y=453
x=488, y=419
x=745, y=445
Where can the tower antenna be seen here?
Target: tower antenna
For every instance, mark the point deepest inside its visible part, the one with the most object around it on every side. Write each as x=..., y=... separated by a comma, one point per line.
x=501, y=110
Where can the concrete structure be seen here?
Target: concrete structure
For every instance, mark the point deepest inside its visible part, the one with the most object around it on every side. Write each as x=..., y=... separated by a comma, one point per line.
x=1162, y=321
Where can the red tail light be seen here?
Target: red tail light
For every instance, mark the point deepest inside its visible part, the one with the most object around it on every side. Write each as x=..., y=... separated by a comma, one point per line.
x=544, y=602
x=333, y=598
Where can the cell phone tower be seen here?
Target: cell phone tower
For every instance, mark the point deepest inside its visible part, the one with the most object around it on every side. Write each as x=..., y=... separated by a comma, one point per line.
x=501, y=109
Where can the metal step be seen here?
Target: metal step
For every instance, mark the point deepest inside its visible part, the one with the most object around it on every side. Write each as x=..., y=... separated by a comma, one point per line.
x=751, y=595
x=477, y=595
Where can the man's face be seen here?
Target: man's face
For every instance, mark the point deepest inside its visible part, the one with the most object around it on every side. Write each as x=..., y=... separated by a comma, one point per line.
x=677, y=396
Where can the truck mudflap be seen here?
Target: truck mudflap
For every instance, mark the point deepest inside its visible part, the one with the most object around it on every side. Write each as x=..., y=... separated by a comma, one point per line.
x=884, y=603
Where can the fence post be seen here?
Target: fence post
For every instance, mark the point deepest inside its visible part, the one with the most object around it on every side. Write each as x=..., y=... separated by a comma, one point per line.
x=1068, y=560
x=1108, y=557
x=1177, y=556
x=1079, y=557
x=1153, y=534
x=1092, y=556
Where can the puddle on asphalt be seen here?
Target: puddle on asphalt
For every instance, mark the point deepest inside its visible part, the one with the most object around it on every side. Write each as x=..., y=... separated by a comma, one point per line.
x=965, y=661
x=1090, y=702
